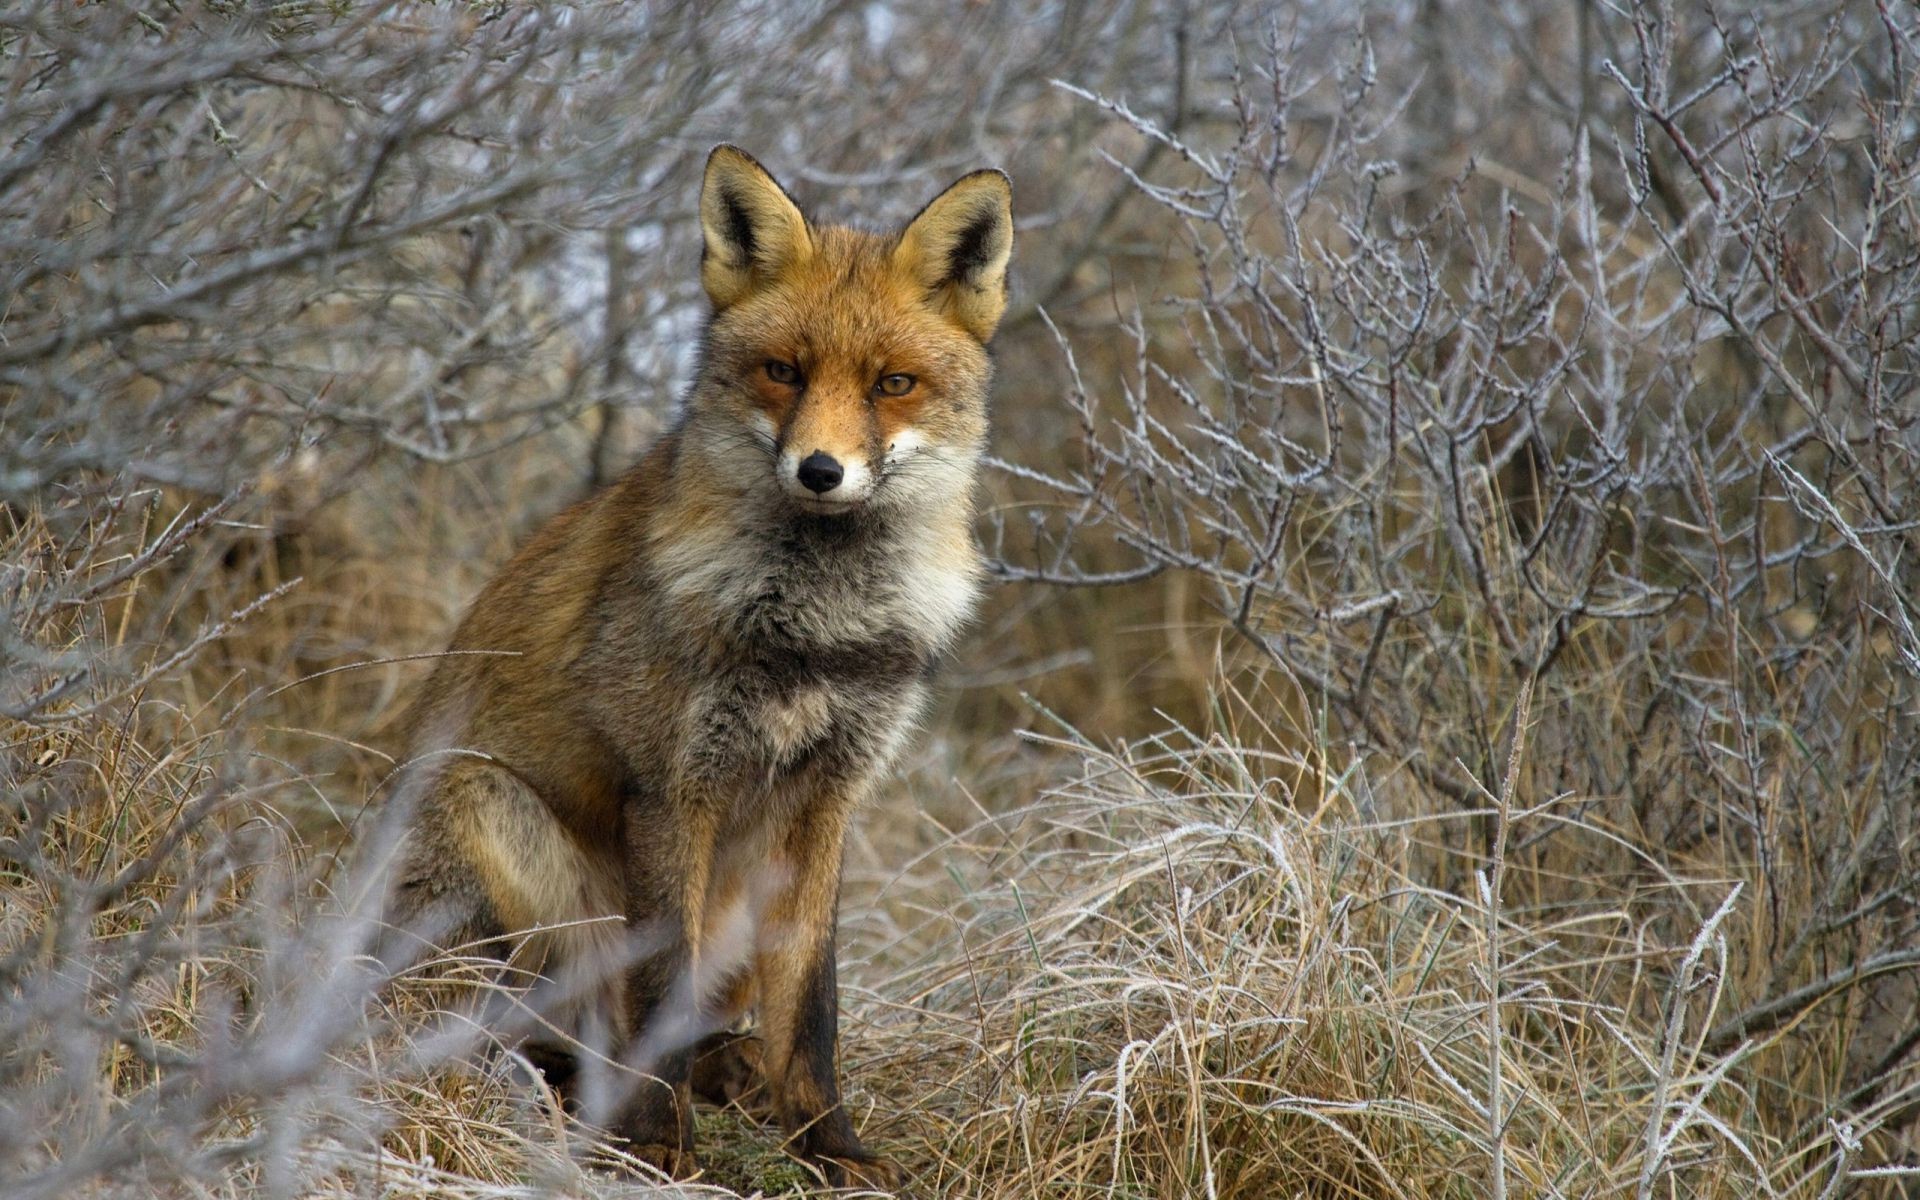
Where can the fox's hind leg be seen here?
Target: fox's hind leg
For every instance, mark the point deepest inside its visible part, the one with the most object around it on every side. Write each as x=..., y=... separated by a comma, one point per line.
x=727, y=1064
x=727, y=1070
x=489, y=870
x=435, y=903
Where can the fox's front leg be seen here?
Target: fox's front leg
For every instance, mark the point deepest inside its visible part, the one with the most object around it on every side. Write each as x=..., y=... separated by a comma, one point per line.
x=669, y=860
x=800, y=1009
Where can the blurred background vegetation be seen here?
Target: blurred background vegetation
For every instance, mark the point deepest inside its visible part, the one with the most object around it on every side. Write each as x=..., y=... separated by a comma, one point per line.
x=1446, y=725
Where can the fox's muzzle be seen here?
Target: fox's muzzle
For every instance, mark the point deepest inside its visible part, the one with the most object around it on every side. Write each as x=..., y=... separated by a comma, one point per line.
x=824, y=482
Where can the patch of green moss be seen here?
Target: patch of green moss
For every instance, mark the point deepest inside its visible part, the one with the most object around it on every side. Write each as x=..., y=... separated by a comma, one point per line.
x=739, y=1153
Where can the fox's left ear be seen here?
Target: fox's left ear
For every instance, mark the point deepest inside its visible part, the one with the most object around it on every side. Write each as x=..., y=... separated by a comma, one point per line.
x=752, y=228
x=957, y=249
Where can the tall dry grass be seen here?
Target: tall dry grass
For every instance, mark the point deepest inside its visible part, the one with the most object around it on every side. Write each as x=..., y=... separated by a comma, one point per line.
x=1447, y=728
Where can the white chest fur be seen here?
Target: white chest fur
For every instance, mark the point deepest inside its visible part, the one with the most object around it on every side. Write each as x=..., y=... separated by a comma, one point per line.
x=920, y=583
x=789, y=725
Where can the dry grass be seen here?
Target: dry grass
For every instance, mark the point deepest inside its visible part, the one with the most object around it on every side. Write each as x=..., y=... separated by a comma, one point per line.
x=1449, y=728
x=1195, y=965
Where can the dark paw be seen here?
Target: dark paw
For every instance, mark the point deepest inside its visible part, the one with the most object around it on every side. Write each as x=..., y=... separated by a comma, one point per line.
x=657, y=1129
x=726, y=1070
x=675, y=1162
x=857, y=1169
x=558, y=1066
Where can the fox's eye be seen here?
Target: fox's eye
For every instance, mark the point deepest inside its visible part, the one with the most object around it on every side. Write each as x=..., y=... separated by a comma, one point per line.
x=895, y=385
x=781, y=372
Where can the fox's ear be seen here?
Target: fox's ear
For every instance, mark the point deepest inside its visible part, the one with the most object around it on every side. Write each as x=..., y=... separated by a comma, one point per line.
x=752, y=227
x=958, y=247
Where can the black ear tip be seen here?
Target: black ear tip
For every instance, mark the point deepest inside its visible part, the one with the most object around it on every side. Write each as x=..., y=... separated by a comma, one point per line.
x=991, y=175
x=724, y=151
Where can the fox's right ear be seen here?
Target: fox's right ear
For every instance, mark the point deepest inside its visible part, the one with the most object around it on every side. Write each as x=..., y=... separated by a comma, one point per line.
x=957, y=250
x=753, y=229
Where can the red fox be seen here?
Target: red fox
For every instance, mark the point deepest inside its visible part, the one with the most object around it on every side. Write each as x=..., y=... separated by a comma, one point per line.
x=673, y=698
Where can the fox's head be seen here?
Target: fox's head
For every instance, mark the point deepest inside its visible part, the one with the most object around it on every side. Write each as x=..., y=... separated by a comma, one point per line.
x=850, y=368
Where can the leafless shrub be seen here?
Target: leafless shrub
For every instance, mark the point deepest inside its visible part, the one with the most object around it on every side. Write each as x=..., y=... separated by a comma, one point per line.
x=1638, y=434
x=1528, y=390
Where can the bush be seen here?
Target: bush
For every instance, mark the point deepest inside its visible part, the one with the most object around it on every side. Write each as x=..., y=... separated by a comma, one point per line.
x=1449, y=724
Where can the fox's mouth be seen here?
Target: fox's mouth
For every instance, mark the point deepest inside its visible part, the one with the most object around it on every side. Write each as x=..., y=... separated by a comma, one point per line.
x=829, y=508
x=826, y=506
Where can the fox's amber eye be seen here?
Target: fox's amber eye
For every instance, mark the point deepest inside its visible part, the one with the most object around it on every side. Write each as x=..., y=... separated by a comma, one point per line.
x=895, y=385
x=781, y=372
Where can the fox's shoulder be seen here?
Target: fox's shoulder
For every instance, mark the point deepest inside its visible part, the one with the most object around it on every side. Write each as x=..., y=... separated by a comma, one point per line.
x=556, y=575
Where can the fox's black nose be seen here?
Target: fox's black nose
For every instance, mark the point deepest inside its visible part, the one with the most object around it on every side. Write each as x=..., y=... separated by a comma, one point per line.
x=820, y=472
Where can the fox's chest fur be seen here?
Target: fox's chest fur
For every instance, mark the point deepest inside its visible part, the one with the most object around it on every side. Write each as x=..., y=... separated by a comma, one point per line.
x=824, y=637
x=814, y=587
x=773, y=649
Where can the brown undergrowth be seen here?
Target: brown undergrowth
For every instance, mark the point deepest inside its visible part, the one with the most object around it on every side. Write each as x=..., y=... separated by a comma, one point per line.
x=1447, y=726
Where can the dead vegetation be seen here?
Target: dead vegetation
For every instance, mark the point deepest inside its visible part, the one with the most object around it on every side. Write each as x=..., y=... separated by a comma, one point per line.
x=1448, y=725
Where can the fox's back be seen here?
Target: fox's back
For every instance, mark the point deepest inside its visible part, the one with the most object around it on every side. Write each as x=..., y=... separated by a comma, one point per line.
x=509, y=686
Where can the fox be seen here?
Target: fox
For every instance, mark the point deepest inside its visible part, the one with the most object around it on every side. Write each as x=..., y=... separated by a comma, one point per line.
x=639, y=761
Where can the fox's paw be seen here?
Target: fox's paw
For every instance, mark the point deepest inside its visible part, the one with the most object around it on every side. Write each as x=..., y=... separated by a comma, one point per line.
x=558, y=1068
x=675, y=1162
x=857, y=1170
x=727, y=1070
x=657, y=1129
